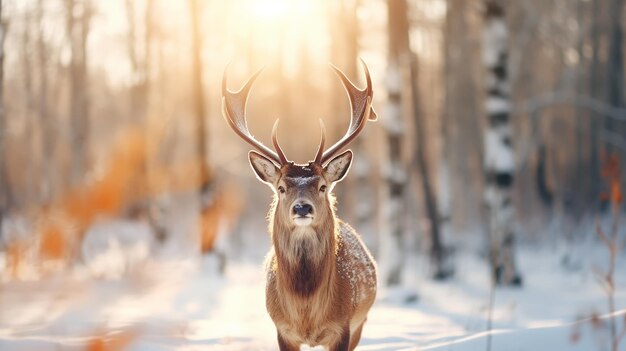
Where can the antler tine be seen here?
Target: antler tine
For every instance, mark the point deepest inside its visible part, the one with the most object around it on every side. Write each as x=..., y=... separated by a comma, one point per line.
x=361, y=106
x=234, y=111
x=320, y=149
x=279, y=151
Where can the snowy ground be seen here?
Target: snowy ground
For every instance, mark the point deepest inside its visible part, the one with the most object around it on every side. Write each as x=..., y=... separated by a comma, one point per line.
x=187, y=306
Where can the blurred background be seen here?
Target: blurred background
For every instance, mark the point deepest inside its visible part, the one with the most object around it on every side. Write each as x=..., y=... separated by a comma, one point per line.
x=502, y=128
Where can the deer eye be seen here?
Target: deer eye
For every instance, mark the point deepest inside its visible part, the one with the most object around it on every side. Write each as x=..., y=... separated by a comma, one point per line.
x=323, y=188
x=281, y=190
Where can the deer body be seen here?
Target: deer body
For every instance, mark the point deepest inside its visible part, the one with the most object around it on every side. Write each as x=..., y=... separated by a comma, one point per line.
x=321, y=279
x=320, y=286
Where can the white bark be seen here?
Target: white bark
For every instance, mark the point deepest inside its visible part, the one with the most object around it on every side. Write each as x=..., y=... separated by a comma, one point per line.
x=393, y=201
x=499, y=160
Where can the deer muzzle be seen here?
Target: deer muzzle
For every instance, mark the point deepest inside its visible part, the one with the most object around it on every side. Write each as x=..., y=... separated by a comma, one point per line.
x=302, y=213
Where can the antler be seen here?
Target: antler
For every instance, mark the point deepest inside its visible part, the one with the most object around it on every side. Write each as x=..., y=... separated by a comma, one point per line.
x=234, y=111
x=361, y=105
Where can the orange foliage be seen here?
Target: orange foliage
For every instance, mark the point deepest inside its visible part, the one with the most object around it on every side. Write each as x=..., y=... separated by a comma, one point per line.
x=611, y=173
x=115, y=342
x=78, y=209
x=224, y=208
x=123, y=182
x=53, y=244
x=110, y=192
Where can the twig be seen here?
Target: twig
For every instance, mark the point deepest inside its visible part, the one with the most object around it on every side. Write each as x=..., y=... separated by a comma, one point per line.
x=602, y=235
x=612, y=243
x=492, y=298
x=564, y=98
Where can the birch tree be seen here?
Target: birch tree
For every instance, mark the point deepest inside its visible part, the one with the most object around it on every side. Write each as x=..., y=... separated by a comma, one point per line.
x=499, y=163
x=394, y=202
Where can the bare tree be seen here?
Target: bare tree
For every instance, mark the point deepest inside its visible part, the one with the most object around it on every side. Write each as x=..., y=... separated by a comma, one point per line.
x=206, y=189
x=4, y=188
x=615, y=65
x=441, y=267
x=358, y=190
x=499, y=160
x=454, y=77
x=394, y=201
x=199, y=106
x=140, y=59
x=78, y=18
x=461, y=135
x=139, y=53
x=45, y=117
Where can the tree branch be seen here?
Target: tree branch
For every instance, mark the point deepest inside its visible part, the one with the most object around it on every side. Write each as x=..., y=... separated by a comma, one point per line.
x=553, y=99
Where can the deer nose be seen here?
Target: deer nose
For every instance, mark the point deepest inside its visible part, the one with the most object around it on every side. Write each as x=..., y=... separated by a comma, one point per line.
x=302, y=209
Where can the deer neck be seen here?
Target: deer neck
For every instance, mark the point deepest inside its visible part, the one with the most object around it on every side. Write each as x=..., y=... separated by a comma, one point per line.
x=305, y=257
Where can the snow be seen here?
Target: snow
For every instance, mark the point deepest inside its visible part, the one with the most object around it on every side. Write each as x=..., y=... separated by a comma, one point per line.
x=358, y=267
x=186, y=305
x=112, y=247
x=302, y=181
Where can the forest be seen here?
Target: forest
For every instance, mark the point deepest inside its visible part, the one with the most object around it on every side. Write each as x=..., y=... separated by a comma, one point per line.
x=487, y=138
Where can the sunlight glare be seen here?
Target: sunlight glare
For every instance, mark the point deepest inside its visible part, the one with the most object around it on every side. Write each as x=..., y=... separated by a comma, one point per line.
x=287, y=29
x=269, y=9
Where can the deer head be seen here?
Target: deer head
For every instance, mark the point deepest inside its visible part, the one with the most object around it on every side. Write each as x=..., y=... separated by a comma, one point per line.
x=302, y=190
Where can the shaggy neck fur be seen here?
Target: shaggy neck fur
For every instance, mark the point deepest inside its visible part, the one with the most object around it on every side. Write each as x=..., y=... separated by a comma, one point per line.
x=305, y=254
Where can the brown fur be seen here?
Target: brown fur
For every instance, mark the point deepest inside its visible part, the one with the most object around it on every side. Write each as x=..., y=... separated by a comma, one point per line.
x=312, y=294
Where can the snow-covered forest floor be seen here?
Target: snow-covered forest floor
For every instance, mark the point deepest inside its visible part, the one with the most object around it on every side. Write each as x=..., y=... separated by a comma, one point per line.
x=186, y=305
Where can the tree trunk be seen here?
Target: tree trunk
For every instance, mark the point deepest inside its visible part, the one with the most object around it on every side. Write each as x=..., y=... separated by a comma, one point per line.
x=394, y=202
x=441, y=268
x=615, y=67
x=454, y=23
x=499, y=160
x=581, y=196
x=541, y=174
x=595, y=92
x=78, y=32
x=360, y=188
x=27, y=67
x=140, y=90
x=45, y=118
x=462, y=135
x=207, y=191
x=140, y=61
x=4, y=186
x=198, y=96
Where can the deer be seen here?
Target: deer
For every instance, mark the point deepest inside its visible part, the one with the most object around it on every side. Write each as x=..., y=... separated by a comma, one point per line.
x=320, y=277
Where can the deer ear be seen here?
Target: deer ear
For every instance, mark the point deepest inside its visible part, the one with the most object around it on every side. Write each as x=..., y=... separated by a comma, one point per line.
x=264, y=169
x=337, y=168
